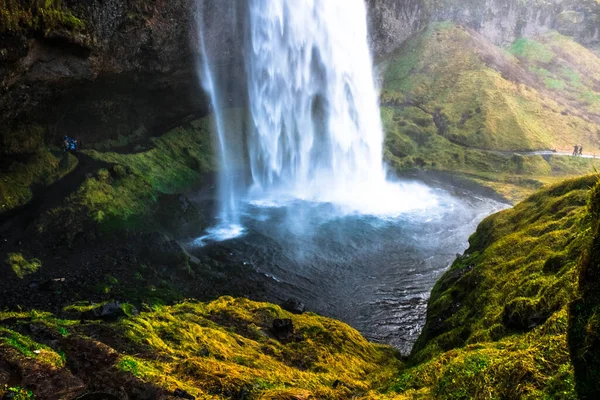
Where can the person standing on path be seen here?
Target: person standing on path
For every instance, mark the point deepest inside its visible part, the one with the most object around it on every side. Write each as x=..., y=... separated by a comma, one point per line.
x=580, y=150
x=575, y=150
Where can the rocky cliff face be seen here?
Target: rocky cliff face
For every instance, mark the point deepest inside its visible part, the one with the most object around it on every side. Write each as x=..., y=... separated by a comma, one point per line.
x=121, y=67
x=500, y=21
x=104, y=71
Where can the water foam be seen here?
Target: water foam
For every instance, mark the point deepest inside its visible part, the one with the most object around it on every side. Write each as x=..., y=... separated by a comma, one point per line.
x=315, y=133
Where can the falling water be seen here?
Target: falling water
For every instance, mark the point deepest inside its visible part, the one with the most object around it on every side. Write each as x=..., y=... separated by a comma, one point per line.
x=228, y=214
x=317, y=130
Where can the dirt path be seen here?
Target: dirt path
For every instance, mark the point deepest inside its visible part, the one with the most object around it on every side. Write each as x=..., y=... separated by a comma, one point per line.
x=537, y=153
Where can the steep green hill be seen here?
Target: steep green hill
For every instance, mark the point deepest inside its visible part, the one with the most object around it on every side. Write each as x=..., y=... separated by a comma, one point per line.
x=452, y=101
x=516, y=316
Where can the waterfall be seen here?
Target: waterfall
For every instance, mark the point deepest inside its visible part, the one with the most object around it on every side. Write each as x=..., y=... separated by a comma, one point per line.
x=317, y=131
x=228, y=212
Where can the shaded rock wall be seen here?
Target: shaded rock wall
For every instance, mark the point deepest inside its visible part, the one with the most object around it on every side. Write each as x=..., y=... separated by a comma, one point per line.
x=500, y=21
x=131, y=68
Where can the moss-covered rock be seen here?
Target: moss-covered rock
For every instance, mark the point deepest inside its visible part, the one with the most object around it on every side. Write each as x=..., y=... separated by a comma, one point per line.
x=22, y=177
x=223, y=349
x=513, y=317
x=127, y=195
x=44, y=15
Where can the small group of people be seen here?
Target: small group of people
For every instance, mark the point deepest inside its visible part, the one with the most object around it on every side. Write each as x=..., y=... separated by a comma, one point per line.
x=577, y=150
x=70, y=144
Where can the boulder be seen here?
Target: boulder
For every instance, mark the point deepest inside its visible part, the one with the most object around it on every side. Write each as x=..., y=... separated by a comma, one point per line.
x=294, y=306
x=107, y=312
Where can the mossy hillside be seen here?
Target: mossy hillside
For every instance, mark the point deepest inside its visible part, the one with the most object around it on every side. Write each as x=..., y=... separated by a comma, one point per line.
x=175, y=160
x=36, y=15
x=412, y=143
x=212, y=350
x=453, y=102
x=584, y=331
x=498, y=321
x=483, y=96
x=22, y=177
x=231, y=336
x=564, y=67
x=479, y=95
x=126, y=194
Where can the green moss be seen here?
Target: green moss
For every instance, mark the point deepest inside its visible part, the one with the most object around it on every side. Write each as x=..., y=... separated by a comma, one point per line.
x=22, y=266
x=453, y=102
x=27, y=173
x=226, y=345
x=584, y=336
x=498, y=322
x=27, y=347
x=126, y=194
x=220, y=349
x=17, y=393
x=44, y=15
x=531, y=50
x=185, y=150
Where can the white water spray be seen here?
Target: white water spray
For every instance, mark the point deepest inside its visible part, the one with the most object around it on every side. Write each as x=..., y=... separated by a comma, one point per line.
x=228, y=215
x=317, y=130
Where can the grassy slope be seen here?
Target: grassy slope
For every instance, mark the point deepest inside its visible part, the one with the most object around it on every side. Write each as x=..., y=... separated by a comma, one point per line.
x=448, y=95
x=126, y=195
x=498, y=323
x=213, y=350
x=42, y=168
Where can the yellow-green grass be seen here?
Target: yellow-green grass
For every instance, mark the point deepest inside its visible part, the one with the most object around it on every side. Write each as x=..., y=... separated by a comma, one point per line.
x=225, y=345
x=568, y=69
x=40, y=169
x=125, y=195
x=44, y=15
x=498, y=321
x=483, y=96
x=217, y=350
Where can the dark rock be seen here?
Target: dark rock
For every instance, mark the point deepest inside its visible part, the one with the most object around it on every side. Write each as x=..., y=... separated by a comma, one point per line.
x=182, y=394
x=158, y=248
x=107, y=312
x=283, y=329
x=294, y=306
x=50, y=284
x=179, y=215
x=204, y=352
x=337, y=383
